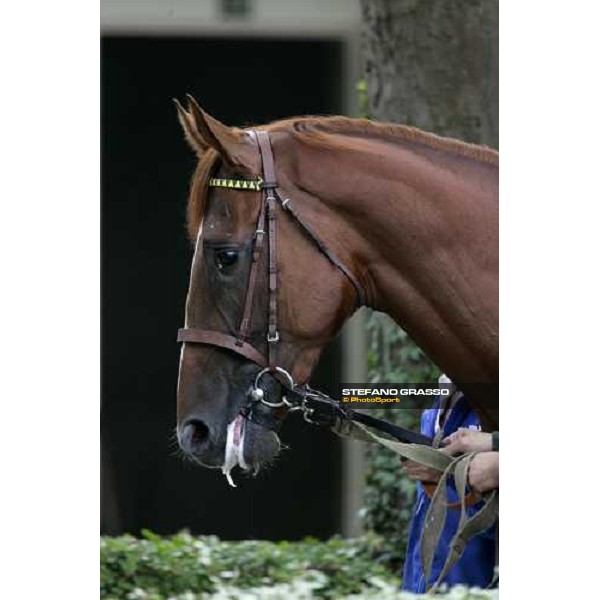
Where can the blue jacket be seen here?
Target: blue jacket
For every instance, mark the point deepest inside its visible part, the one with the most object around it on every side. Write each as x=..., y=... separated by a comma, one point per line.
x=476, y=566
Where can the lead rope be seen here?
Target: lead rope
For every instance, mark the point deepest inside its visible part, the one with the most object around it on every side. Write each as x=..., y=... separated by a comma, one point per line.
x=467, y=528
x=435, y=517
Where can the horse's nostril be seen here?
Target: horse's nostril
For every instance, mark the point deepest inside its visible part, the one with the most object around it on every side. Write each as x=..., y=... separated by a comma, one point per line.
x=200, y=430
x=194, y=434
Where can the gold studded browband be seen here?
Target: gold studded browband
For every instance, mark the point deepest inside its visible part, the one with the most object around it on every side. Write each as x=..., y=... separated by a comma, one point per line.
x=254, y=185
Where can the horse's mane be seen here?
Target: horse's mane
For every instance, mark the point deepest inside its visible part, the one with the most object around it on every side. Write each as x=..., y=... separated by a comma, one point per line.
x=318, y=131
x=329, y=133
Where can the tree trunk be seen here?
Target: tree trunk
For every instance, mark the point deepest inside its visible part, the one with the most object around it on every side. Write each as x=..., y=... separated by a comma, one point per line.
x=434, y=64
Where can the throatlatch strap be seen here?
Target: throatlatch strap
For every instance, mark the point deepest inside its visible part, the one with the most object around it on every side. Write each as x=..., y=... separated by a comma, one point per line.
x=333, y=259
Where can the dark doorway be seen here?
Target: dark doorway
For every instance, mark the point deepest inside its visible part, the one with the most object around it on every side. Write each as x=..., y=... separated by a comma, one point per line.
x=145, y=266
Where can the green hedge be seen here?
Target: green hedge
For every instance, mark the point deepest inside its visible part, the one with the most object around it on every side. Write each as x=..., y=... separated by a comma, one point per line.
x=183, y=567
x=174, y=565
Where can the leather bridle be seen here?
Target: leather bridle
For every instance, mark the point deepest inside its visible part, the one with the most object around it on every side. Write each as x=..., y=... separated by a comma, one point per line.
x=240, y=343
x=316, y=407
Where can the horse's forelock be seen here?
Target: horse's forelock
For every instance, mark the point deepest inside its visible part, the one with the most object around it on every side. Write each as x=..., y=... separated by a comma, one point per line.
x=199, y=191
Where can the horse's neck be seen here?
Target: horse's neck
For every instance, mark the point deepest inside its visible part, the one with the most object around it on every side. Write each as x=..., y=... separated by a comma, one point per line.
x=427, y=221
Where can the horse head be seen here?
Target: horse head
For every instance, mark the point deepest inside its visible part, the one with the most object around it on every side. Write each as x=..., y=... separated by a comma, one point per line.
x=247, y=267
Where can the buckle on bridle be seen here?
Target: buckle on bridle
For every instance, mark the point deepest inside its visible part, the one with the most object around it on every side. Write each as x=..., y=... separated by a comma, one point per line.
x=271, y=338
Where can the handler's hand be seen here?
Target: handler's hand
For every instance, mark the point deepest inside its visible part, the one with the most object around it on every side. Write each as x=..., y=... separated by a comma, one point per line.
x=418, y=472
x=467, y=440
x=484, y=471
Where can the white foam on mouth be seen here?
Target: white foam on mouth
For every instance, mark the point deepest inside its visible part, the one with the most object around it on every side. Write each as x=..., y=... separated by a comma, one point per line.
x=234, y=448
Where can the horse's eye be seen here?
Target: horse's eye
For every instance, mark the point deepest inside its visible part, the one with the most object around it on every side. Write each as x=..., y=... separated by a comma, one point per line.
x=225, y=258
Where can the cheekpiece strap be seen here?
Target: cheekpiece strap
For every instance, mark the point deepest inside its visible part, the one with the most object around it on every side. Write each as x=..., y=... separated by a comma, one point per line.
x=268, y=164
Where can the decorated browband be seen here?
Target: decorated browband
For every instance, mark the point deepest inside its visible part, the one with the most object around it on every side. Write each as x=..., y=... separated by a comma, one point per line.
x=254, y=185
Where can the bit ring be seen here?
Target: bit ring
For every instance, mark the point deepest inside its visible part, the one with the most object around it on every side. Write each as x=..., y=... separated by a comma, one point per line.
x=284, y=401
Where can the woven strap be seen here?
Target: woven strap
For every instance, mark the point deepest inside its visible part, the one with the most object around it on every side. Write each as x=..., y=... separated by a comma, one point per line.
x=424, y=455
x=435, y=518
x=467, y=528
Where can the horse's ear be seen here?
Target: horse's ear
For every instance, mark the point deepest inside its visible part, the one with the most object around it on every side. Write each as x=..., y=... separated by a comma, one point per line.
x=234, y=145
x=192, y=135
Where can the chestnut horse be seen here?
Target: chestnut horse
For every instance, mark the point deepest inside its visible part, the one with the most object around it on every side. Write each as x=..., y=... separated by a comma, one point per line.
x=414, y=218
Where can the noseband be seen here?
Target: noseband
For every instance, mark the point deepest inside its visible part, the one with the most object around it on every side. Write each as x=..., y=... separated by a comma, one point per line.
x=270, y=201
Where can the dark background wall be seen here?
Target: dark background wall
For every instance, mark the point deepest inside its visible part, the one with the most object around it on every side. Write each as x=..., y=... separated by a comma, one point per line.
x=146, y=168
